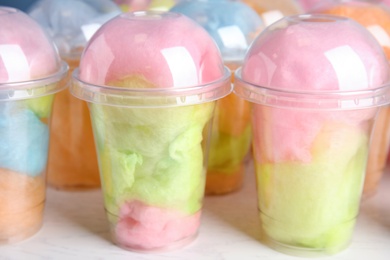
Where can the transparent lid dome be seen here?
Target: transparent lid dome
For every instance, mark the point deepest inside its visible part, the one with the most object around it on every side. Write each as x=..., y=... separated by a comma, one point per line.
x=28, y=58
x=272, y=11
x=72, y=23
x=151, y=54
x=232, y=24
x=300, y=54
x=373, y=15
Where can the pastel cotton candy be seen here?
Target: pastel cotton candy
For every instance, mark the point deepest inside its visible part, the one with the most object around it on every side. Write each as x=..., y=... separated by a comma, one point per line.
x=24, y=43
x=141, y=225
x=315, y=204
x=25, y=139
x=167, y=44
x=232, y=24
x=151, y=158
x=21, y=205
x=375, y=17
x=310, y=163
x=160, y=160
x=283, y=59
x=308, y=40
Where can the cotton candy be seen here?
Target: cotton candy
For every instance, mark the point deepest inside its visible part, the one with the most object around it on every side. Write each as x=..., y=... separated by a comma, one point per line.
x=151, y=158
x=310, y=159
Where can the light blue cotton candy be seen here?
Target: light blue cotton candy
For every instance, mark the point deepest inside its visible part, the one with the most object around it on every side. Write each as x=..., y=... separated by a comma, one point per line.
x=232, y=24
x=24, y=139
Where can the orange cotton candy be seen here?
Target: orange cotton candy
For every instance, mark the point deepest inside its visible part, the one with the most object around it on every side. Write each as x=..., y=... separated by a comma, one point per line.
x=21, y=205
x=373, y=17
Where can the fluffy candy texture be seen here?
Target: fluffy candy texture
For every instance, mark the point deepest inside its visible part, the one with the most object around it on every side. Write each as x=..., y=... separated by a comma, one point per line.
x=152, y=155
x=317, y=63
x=232, y=24
x=315, y=205
x=144, y=227
x=25, y=139
x=302, y=56
x=375, y=17
x=24, y=43
x=158, y=51
x=21, y=205
x=72, y=23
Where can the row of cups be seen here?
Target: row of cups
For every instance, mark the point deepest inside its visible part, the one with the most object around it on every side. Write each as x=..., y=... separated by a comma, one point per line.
x=157, y=89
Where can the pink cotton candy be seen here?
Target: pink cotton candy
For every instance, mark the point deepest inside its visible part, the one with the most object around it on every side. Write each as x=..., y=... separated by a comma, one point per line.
x=300, y=58
x=308, y=57
x=25, y=51
x=145, y=227
x=159, y=49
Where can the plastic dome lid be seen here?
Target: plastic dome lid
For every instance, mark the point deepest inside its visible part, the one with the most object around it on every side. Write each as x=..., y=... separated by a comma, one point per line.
x=298, y=63
x=371, y=14
x=29, y=62
x=163, y=56
x=232, y=24
x=72, y=23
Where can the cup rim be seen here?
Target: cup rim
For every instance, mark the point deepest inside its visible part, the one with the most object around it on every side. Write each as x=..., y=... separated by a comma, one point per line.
x=156, y=97
x=313, y=100
x=36, y=87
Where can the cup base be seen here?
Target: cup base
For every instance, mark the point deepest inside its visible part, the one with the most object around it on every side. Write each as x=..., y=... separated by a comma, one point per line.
x=171, y=247
x=219, y=183
x=297, y=250
x=19, y=227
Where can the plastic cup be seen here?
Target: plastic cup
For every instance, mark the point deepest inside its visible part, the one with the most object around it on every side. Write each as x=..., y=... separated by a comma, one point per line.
x=312, y=123
x=30, y=74
x=375, y=17
x=72, y=160
x=233, y=26
x=151, y=94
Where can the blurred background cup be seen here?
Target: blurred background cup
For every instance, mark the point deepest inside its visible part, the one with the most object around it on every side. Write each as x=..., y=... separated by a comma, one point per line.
x=233, y=25
x=72, y=159
x=30, y=74
x=151, y=93
x=375, y=17
x=143, y=5
x=315, y=100
x=272, y=11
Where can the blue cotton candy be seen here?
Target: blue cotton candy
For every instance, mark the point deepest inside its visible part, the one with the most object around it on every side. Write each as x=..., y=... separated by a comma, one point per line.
x=232, y=24
x=24, y=139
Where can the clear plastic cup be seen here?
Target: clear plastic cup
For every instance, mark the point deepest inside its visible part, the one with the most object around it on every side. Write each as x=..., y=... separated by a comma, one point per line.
x=312, y=122
x=233, y=26
x=30, y=74
x=151, y=94
x=72, y=160
x=375, y=17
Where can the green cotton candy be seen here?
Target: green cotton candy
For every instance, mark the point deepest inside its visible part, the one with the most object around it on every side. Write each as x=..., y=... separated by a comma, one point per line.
x=41, y=106
x=153, y=155
x=314, y=205
x=227, y=152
